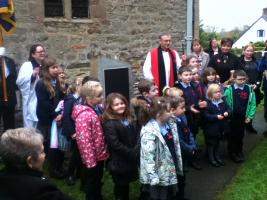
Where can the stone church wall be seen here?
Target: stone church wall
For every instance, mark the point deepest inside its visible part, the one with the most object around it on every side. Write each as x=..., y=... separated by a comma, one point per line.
x=120, y=30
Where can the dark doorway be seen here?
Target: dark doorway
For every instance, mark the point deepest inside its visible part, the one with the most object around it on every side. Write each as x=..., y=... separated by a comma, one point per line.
x=117, y=80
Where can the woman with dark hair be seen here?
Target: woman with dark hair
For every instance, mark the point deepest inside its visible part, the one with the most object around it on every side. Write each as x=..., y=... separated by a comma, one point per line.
x=214, y=48
x=22, y=178
x=202, y=57
x=225, y=62
x=26, y=81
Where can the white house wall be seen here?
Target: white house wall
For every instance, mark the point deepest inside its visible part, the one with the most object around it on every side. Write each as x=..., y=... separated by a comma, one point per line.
x=251, y=34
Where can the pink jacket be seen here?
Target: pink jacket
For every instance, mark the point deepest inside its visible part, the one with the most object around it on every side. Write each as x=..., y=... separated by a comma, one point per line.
x=89, y=135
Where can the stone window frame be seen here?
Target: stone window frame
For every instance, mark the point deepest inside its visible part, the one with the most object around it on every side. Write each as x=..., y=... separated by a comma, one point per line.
x=82, y=11
x=57, y=6
x=96, y=10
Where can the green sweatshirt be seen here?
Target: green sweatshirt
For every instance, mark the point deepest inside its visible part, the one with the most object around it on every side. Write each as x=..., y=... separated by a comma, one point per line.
x=251, y=106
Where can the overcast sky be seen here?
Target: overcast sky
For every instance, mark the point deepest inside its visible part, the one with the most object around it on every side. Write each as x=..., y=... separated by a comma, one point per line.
x=228, y=14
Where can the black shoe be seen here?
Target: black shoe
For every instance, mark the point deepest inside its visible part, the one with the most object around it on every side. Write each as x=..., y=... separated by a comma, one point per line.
x=241, y=157
x=198, y=150
x=251, y=129
x=195, y=165
x=214, y=163
x=70, y=180
x=265, y=133
x=220, y=161
x=235, y=158
x=186, y=169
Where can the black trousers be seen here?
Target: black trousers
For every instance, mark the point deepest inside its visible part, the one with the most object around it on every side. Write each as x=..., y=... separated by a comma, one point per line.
x=162, y=192
x=93, y=181
x=7, y=114
x=181, y=187
x=258, y=95
x=236, y=135
x=121, y=190
x=45, y=131
x=75, y=162
x=55, y=156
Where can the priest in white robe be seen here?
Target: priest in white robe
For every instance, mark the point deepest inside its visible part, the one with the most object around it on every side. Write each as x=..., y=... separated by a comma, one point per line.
x=26, y=81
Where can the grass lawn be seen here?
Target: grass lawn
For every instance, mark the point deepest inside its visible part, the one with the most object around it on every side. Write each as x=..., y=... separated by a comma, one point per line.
x=107, y=191
x=250, y=182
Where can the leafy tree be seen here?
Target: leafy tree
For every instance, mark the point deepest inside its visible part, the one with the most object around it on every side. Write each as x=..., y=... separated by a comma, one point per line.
x=206, y=36
x=235, y=34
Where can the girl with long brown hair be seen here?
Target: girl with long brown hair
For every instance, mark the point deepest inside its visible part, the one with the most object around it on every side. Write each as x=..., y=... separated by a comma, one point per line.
x=121, y=137
x=49, y=93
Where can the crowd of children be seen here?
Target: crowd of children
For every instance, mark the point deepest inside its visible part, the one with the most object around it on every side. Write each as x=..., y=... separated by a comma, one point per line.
x=155, y=135
x=151, y=138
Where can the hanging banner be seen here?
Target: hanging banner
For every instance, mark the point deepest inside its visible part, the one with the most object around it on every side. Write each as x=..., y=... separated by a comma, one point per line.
x=7, y=17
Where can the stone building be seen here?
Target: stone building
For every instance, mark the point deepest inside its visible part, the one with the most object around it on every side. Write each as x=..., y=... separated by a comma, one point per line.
x=94, y=36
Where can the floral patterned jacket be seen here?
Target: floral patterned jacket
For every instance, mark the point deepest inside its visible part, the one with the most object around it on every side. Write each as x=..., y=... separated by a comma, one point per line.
x=89, y=135
x=156, y=162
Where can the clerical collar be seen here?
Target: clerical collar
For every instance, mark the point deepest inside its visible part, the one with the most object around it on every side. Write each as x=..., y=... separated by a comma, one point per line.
x=185, y=85
x=164, y=49
x=241, y=87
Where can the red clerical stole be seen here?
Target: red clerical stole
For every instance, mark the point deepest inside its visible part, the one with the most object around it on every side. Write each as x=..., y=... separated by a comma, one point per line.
x=155, y=67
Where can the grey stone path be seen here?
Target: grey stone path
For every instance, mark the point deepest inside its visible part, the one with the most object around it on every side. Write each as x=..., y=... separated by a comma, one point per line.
x=205, y=184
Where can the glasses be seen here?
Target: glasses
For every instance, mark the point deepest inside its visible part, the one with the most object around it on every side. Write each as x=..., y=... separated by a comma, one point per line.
x=40, y=51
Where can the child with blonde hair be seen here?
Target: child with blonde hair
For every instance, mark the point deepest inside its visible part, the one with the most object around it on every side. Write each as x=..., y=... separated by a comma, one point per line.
x=90, y=137
x=172, y=92
x=216, y=115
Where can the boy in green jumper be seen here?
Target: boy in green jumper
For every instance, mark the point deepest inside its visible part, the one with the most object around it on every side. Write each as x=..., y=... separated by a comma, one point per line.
x=240, y=98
